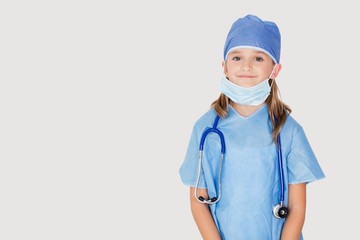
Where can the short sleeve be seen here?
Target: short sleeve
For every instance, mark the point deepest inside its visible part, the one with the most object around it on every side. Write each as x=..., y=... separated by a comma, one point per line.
x=303, y=166
x=189, y=168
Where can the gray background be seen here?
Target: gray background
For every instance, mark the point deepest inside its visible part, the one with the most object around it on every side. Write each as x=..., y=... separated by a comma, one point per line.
x=98, y=99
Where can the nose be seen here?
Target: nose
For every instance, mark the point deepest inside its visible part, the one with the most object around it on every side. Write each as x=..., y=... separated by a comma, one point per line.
x=246, y=66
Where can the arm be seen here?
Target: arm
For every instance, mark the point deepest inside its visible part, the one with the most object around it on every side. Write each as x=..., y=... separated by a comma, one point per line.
x=203, y=217
x=297, y=206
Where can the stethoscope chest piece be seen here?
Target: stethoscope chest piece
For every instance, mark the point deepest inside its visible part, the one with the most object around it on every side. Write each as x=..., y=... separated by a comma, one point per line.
x=280, y=211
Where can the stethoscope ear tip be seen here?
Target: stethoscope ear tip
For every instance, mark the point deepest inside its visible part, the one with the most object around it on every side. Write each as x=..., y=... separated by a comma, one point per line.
x=210, y=201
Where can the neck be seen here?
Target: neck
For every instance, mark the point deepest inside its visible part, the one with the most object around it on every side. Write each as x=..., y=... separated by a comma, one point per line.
x=245, y=110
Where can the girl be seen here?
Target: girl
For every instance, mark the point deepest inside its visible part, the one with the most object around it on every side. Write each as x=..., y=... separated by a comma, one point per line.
x=249, y=180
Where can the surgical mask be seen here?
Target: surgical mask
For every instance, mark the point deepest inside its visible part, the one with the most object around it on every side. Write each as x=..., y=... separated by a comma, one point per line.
x=252, y=96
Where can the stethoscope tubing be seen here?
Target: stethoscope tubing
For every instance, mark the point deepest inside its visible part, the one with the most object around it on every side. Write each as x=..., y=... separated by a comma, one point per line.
x=281, y=171
x=201, y=148
x=278, y=210
x=214, y=130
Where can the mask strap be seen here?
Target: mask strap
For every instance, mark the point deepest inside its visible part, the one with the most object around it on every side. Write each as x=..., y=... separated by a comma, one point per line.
x=273, y=79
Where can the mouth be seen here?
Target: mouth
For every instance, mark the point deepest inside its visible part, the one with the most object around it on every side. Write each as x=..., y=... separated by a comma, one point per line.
x=246, y=76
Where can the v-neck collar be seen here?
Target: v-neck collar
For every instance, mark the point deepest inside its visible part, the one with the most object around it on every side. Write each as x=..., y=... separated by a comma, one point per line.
x=259, y=111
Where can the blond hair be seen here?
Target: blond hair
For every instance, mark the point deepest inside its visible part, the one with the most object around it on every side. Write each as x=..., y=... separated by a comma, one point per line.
x=278, y=110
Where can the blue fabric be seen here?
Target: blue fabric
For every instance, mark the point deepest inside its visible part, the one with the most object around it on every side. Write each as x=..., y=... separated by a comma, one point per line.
x=250, y=178
x=252, y=32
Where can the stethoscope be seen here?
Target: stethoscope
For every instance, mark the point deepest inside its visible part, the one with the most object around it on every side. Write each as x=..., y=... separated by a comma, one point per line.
x=279, y=210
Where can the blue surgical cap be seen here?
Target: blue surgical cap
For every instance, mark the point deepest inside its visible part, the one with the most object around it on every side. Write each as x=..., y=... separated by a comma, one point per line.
x=252, y=32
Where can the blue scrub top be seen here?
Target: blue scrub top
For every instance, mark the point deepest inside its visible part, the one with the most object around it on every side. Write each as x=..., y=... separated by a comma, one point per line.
x=250, y=174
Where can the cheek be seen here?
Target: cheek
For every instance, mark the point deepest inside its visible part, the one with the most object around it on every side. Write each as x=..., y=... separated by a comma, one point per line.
x=231, y=69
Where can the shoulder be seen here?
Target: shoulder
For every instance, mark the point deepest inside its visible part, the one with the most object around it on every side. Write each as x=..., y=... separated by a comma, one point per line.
x=291, y=125
x=292, y=130
x=205, y=120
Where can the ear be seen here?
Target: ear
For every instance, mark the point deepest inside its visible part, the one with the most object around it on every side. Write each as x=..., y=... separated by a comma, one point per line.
x=276, y=71
x=223, y=64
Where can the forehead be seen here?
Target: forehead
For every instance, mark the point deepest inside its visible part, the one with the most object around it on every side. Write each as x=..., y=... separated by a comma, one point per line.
x=248, y=51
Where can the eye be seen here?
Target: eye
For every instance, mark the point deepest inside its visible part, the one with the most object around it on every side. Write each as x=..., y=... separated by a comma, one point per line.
x=236, y=58
x=259, y=59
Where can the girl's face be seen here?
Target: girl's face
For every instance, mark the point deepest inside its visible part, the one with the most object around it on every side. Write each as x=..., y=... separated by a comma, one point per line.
x=248, y=67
